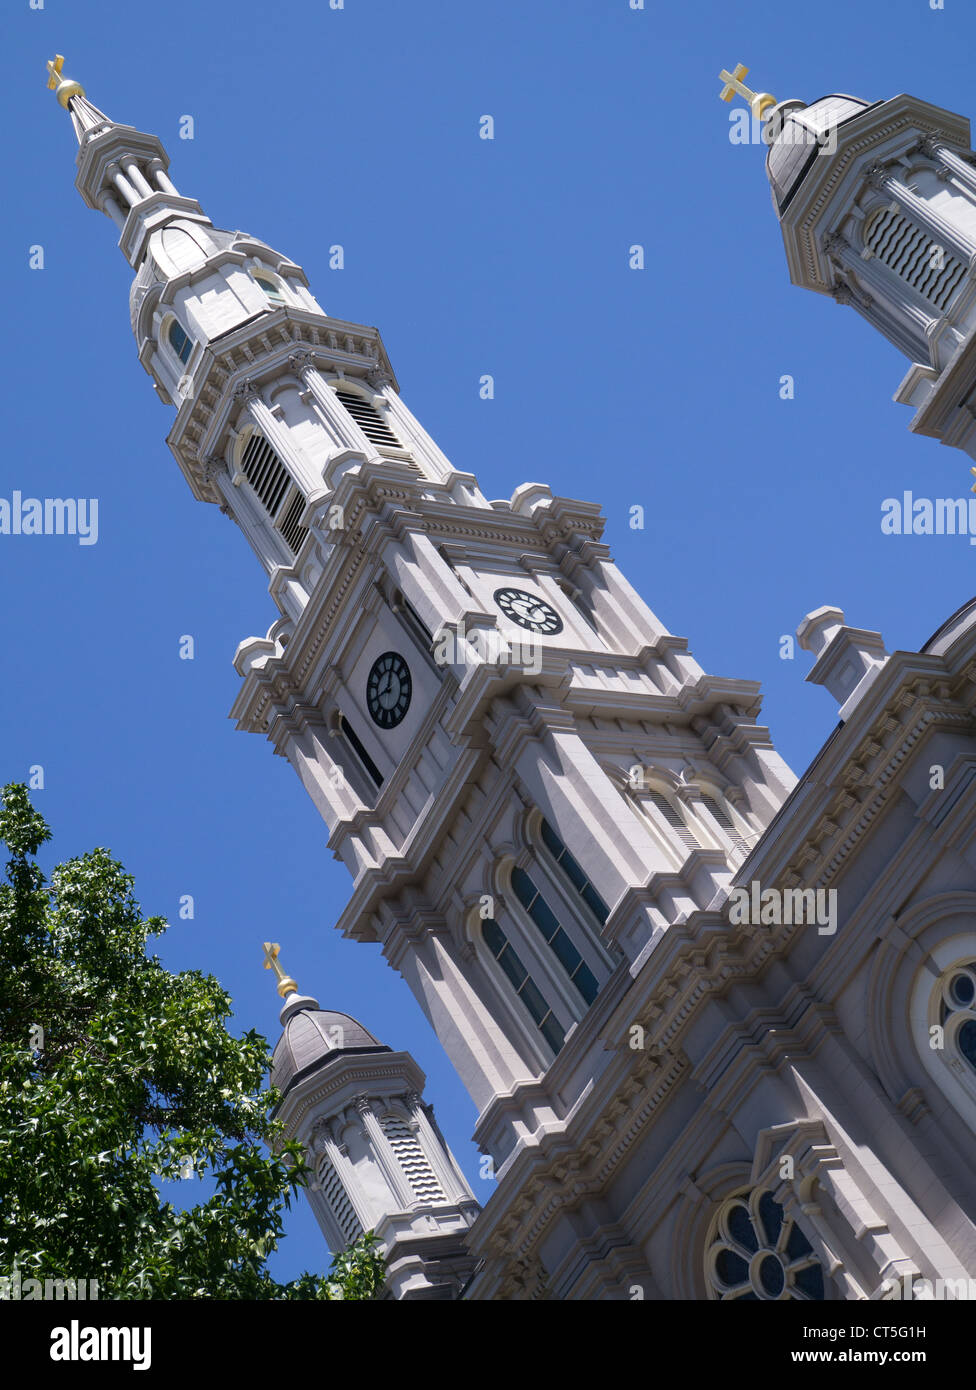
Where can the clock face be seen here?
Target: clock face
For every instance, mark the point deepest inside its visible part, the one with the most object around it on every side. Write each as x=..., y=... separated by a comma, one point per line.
x=528, y=611
x=388, y=690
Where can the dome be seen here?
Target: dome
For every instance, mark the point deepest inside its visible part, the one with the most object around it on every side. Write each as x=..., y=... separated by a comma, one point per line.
x=805, y=131
x=314, y=1037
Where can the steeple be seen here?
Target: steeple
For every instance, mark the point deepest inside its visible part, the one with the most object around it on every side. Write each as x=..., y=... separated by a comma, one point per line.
x=528, y=776
x=380, y=1161
x=877, y=206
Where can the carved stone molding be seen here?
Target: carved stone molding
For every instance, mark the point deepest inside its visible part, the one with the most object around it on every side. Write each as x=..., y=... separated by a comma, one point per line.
x=246, y=391
x=301, y=360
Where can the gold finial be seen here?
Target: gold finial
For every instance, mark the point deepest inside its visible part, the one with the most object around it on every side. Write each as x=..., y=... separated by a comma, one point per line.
x=286, y=985
x=66, y=88
x=759, y=102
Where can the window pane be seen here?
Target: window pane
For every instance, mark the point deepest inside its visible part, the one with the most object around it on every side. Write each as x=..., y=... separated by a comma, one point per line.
x=512, y=966
x=740, y=1228
x=967, y=1041
x=552, y=1031
x=585, y=982
x=544, y=918
x=493, y=935
x=533, y=1000
x=595, y=903
x=771, y=1215
x=523, y=885
x=551, y=840
x=573, y=872
x=566, y=952
x=731, y=1268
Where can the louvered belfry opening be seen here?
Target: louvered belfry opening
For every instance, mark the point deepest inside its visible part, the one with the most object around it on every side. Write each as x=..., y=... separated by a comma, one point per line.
x=673, y=819
x=412, y=1158
x=369, y=420
x=339, y=1203
x=719, y=814
x=290, y=527
x=912, y=254
x=271, y=482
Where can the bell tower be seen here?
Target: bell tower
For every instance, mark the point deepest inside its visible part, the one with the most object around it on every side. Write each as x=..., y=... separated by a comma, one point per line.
x=877, y=206
x=528, y=777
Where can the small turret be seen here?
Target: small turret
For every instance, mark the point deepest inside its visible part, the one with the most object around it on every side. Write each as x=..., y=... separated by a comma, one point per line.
x=380, y=1161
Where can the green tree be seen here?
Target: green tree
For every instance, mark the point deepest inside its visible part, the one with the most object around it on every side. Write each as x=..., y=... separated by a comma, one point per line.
x=115, y=1073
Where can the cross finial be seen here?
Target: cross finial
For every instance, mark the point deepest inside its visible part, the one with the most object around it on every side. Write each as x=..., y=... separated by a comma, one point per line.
x=759, y=102
x=286, y=985
x=64, y=87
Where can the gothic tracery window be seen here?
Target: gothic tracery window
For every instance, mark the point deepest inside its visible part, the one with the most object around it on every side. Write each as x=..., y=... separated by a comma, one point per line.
x=756, y=1252
x=957, y=1014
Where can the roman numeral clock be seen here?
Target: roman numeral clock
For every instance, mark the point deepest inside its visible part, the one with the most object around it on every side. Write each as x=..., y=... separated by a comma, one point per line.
x=388, y=690
x=529, y=611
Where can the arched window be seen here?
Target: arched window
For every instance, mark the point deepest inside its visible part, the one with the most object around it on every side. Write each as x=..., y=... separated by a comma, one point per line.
x=368, y=418
x=271, y=288
x=755, y=1252
x=178, y=341
x=557, y=940
x=914, y=255
x=275, y=489
x=575, y=875
x=523, y=984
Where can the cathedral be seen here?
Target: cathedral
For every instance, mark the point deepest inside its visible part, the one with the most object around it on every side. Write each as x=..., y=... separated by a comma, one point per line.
x=718, y=1023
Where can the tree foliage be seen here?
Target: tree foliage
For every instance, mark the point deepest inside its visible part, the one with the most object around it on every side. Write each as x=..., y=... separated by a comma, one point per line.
x=115, y=1074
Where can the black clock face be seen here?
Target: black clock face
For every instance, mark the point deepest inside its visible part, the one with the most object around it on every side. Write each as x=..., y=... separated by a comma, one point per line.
x=388, y=690
x=528, y=611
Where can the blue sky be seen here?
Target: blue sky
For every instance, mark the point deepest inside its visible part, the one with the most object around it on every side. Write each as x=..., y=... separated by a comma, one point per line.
x=510, y=257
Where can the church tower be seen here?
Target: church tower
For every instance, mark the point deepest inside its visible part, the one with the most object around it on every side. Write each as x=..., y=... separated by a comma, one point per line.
x=877, y=205
x=380, y=1161
x=527, y=775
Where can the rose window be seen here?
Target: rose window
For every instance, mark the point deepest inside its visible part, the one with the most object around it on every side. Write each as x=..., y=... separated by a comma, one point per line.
x=756, y=1251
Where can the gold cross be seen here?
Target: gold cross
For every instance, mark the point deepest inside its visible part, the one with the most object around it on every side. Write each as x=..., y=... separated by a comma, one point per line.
x=65, y=87
x=759, y=102
x=286, y=985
